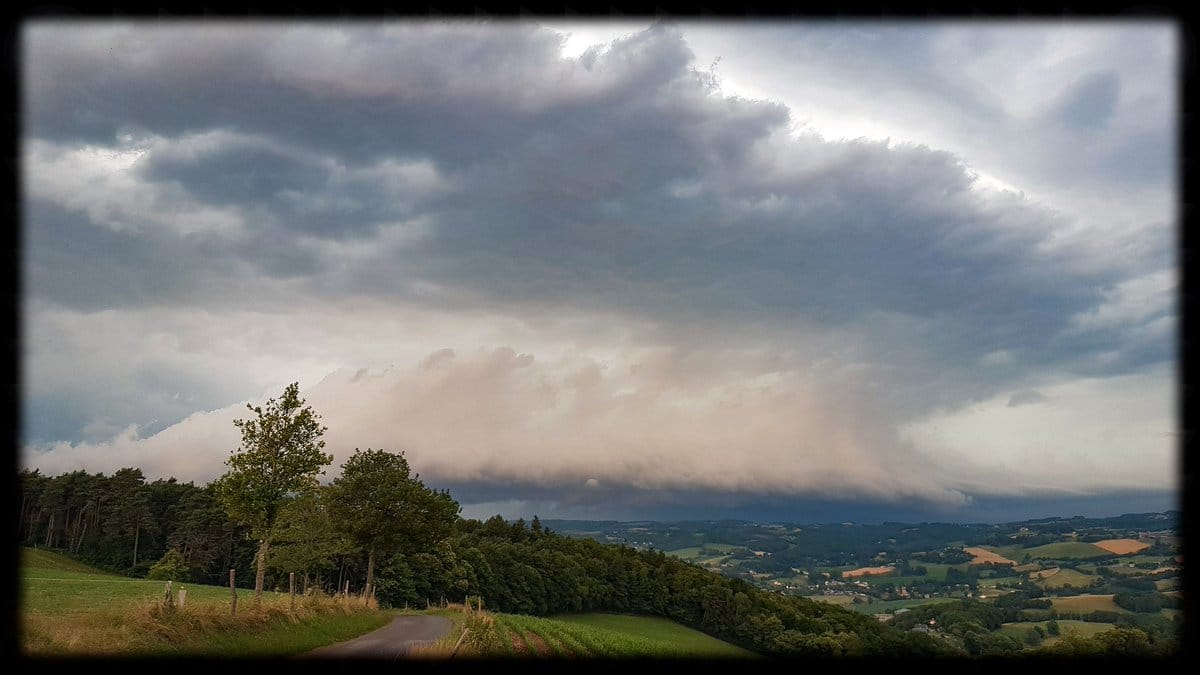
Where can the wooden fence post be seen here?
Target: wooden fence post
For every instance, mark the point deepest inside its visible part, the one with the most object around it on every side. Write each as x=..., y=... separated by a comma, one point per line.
x=460, y=641
x=292, y=583
x=233, y=594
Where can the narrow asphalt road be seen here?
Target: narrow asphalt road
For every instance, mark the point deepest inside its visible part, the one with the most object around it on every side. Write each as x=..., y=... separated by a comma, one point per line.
x=390, y=642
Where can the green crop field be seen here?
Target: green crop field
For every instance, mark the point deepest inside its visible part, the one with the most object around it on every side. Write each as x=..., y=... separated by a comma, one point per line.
x=1084, y=628
x=937, y=571
x=1086, y=603
x=889, y=606
x=608, y=635
x=1067, y=576
x=1013, y=552
x=68, y=608
x=1067, y=550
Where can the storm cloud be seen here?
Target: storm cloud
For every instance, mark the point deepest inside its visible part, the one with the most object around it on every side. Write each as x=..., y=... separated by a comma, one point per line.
x=534, y=270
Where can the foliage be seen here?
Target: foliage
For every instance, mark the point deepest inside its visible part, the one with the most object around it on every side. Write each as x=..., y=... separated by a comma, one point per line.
x=171, y=567
x=280, y=454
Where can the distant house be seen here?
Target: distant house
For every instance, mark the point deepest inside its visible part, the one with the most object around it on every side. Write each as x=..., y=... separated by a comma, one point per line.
x=921, y=628
x=902, y=610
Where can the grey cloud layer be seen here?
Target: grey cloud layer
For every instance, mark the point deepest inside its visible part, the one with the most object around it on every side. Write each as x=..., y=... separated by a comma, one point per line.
x=470, y=167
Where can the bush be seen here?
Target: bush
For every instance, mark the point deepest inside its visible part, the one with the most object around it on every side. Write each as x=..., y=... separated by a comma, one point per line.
x=171, y=567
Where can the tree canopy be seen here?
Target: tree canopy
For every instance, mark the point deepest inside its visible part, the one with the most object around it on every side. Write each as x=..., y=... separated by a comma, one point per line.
x=280, y=456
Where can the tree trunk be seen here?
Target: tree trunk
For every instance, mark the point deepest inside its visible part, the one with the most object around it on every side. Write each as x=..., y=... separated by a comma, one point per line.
x=83, y=531
x=21, y=518
x=137, y=530
x=50, y=530
x=370, y=574
x=304, y=588
x=261, y=572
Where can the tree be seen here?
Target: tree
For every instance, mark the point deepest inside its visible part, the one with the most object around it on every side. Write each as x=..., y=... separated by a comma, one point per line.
x=280, y=455
x=171, y=567
x=306, y=537
x=1052, y=627
x=386, y=509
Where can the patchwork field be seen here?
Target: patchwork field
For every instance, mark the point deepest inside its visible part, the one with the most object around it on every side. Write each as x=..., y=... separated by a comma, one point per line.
x=868, y=571
x=1069, y=577
x=1122, y=546
x=980, y=554
x=1067, y=550
x=1087, y=603
x=938, y=571
x=1083, y=628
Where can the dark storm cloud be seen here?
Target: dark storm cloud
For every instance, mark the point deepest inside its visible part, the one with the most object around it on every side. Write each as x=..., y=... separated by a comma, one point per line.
x=1089, y=102
x=466, y=167
x=1025, y=397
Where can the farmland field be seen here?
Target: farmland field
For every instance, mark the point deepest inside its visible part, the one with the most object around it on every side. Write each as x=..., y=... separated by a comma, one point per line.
x=609, y=635
x=888, y=606
x=1122, y=546
x=1084, y=628
x=984, y=555
x=1087, y=603
x=937, y=571
x=1067, y=549
x=1069, y=576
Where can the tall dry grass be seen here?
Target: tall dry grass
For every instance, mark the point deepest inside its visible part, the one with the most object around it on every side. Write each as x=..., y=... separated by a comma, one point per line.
x=159, y=626
x=476, y=634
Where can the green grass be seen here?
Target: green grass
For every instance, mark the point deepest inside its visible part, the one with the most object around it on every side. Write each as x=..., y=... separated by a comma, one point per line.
x=1065, y=550
x=1086, y=603
x=889, y=606
x=615, y=636
x=1013, y=552
x=68, y=608
x=1084, y=628
x=937, y=571
x=1066, y=576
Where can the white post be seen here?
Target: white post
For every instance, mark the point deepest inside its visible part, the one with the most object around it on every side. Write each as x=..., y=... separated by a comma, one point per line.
x=182, y=596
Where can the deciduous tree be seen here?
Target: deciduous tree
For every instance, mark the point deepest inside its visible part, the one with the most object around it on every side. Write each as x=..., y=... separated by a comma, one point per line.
x=280, y=456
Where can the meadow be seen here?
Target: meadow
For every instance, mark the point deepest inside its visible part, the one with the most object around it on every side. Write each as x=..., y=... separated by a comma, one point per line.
x=1065, y=550
x=1067, y=576
x=606, y=636
x=1083, y=628
x=1087, y=603
x=68, y=608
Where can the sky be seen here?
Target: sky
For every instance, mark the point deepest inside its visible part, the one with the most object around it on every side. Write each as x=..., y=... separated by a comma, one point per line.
x=616, y=269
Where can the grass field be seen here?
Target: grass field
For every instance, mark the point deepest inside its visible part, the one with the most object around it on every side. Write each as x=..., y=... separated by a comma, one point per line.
x=68, y=608
x=1086, y=603
x=889, y=606
x=938, y=571
x=1065, y=550
x=607, y=635
x=1013, y=552
x=1084, y=628
x=1066, y=576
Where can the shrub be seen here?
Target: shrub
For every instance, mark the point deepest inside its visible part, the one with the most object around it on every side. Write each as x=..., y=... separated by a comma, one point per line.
x=171, y=567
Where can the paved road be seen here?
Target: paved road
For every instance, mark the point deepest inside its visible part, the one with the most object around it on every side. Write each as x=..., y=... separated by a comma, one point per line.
x=390, y=642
